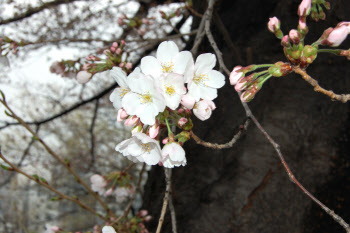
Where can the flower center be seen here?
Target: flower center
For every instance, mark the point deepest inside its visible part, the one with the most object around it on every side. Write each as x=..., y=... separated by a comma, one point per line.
x=122, y=92
x=201, y=78
x=146, y=98
x=145, y=148
x=170, y=90
x=167, y=67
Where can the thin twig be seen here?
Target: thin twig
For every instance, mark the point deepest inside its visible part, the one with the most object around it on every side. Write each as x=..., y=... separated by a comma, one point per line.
x=343, y=97
x=167, y=172
x=199, y=36
x=46, y=185
x=65, y=163
x=92, y=136
x=337, y=218
x=229, y=144
x=172, y=213
x=208, y=16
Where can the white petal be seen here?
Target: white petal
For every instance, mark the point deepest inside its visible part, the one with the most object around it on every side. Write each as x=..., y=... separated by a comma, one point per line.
x=167, y=51
x=151, y=158
x=189, y=72
x=194, y=91
x=172, y=101
x=151, y=66
x=131, y=103
x=108, y=229
x=182, y=61
x=141, y=84
x=204, y=63
x=215, y=79
x=178, y=153
x=208, y=93
x=148, y=115
x=119, y=76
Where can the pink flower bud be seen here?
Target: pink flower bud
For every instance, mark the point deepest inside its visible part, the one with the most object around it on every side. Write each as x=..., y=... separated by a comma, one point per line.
x=107, y=52
x=132, y=121
x=121, y=65
x=165, y=140
x=118, y=51
x=235, y=75
x=55, y=228
x=137, y=129
x=109, y=192
x=123, y=42
x=120, y=21
x=112, y=49
x=83, y=76
x=182, y=121
x=141, y=31
x=285, y=41
x=153, y=130
x=294, y=36
x=243, y=82
x=147, y=218
x=202, y=110
x=122, y=115
x=145, y=21
x=304, y=8
x=143, y=213
x=128, y=65
x=86, y=66
x=188, y=101
x=115, y=44
x=339, y=34
x=274, y=24
x=302, y=24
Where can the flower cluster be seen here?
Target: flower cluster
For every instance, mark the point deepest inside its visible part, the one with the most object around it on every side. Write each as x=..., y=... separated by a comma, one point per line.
x=118, y=182
x=115, y=56
x=159, y=96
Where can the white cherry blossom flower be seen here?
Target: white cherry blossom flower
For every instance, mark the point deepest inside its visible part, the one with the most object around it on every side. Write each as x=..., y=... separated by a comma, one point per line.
x=118, y=94
x=144, y=100
x=98, y=184
x=173, y=88
x=140, y=148
x=173, y=155
x=168, y=60
x=203, y=109
x=108, y=229
x=205, y=81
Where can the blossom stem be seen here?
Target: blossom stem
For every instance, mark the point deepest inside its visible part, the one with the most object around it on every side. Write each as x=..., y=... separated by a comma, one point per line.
x=168, y=126
x=262, y=66
x=332, y=51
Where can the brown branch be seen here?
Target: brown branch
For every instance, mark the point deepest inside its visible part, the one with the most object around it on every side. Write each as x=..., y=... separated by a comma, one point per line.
x=166, y=198
x=336, y=217
x=65, y=163
x=172, y=213
x=47, y=186
x=342, y=97
x=229, y=144
x=92, y=135
x=35, y=10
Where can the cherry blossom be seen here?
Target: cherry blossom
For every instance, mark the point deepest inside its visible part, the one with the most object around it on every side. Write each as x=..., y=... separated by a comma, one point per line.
x=168, y=60
x=98, y=184
x=205, y=81
x=118, y=94
x=173, y=88
x=140, y=148
x=173, y=155
x=144, y=100
x=203, y=109
x=235, y=75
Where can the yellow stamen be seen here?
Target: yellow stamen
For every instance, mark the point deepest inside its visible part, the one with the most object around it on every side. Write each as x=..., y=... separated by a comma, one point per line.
x=170, y=90
x=146, y=148
x=145, y=98
x=167, y=67
x=122, y=92
x=201, y=78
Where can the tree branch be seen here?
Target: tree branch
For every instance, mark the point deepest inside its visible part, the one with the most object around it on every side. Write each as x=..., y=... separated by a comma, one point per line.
x=166, y=198
x=32, y=11
x=342, y=97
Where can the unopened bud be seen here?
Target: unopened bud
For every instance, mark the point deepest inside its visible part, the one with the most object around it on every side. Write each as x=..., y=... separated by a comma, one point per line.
x=83, y=77
x=128, y=65
x=285, y=41
x=153, y=131
x=235, y=75
x=182, y=121
x=294, y=36
x=274, y=26
x=304, y=8
x=122, y=115
x=243, y=82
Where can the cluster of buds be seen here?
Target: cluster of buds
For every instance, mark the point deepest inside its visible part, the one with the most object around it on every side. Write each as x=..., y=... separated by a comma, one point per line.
x=317, y=12
x=116, y=183
x=7, y=45
x=115, y=56
x=135, y=23
x=65, y=68
x=251, y=84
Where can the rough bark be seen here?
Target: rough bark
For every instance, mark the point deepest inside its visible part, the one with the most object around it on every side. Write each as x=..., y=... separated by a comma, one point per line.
x=245, y=188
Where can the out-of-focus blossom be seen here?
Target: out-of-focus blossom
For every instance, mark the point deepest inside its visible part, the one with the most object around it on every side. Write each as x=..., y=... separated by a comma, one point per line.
x=98, y=184
x=83, y=76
